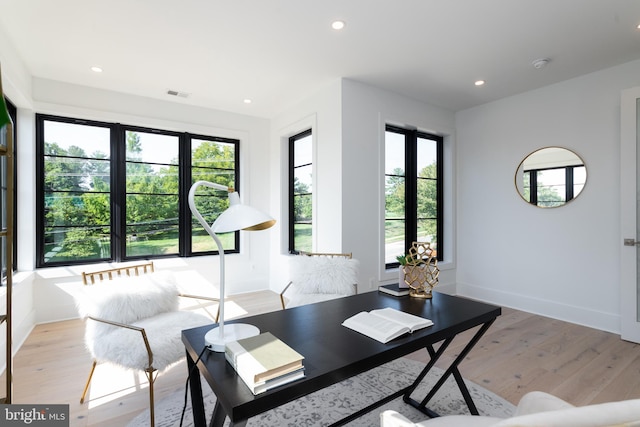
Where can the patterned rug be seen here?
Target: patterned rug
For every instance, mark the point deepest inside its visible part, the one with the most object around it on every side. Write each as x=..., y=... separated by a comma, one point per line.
x=339, y=400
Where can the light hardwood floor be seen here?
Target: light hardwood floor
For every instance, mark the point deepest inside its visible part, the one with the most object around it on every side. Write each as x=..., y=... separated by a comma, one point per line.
x=521, y=352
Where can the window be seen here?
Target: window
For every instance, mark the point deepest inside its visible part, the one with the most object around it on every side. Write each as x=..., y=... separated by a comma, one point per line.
x=553, y=187
x=215, y=160
x=301, y=192
x=151, y=192
x=413, y=191
x=117, y=192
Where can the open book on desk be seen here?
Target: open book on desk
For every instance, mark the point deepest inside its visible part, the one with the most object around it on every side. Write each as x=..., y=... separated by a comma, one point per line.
x=385, y=324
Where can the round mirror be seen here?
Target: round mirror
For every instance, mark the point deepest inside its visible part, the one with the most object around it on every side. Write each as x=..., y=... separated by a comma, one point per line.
x=551, y=177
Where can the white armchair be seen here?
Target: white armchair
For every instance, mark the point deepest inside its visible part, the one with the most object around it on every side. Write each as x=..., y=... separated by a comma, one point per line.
x=135, y=321
x=319, y=277
x=536, y=409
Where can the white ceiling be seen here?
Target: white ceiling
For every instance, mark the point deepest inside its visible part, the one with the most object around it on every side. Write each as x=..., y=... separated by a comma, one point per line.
x=278, y=52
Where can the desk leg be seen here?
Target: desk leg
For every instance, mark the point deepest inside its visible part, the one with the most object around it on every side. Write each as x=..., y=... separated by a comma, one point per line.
x=218, y=416
x=197, y=401
x=217, y=420
x=434, y=358
x=452, y=370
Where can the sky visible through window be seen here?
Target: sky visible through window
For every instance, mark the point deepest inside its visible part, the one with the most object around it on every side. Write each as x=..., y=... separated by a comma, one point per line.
x=155, y=148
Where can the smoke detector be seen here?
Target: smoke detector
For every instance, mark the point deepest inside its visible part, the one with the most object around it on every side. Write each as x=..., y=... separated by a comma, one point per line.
x=540, y=63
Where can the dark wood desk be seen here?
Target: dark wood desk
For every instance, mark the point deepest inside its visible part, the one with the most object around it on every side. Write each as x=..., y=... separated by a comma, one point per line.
x=334, y=353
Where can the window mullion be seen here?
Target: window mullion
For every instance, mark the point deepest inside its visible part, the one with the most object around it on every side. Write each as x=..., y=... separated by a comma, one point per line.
x=568, y=183
x=440, y=198
x=411, y=188
x=118, y=199
x=533, y=184
x=185, y=238
x=292, y=226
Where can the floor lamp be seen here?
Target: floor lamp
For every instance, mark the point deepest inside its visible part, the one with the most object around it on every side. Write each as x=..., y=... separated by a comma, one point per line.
x=236, y=217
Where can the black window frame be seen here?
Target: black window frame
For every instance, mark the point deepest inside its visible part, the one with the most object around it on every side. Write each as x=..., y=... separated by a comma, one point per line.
x=410, y=219
x=569, y=177
x=118, y=226
x=13, y=114
x=186, y=174
x=121, y=185
x=292, y=195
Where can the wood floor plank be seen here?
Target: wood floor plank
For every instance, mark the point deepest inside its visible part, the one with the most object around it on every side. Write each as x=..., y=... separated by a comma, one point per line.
x=624, y=385
x=521, y=352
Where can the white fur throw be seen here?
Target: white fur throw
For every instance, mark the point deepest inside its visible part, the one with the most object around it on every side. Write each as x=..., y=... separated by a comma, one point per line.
x=323, y=275
x=125, y=347
x=149, y=301
x=127, y=299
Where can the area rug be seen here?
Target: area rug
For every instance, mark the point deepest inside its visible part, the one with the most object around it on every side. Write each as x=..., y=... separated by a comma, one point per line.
x=333, y=403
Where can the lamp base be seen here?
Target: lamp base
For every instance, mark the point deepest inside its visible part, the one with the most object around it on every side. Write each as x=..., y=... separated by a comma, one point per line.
x=232, y=332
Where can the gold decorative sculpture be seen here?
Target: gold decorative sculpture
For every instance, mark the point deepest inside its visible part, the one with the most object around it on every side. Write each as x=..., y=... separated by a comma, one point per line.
x=421, y=270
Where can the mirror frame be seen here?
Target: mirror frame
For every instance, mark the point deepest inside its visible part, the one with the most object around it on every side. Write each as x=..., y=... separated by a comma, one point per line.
x=519, y=179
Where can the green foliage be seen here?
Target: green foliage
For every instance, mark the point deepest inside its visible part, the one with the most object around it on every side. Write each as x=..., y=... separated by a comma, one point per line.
x=78, y=203
x=427, y=197
x=402, y=259
x=78, y=243
x=394, y=194
x=302, y=216
x=64, y=173
x=302, y=205
x=303, y=237
x=409, y=260
x=426, y=192
x=547, y=196
x=212, y=162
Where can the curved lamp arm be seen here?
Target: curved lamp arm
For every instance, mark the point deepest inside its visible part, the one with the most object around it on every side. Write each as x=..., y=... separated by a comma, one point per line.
x=236, y=217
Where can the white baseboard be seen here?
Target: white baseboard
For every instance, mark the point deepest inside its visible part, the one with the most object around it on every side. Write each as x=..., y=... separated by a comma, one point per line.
x=609, y=322
x=449, y=289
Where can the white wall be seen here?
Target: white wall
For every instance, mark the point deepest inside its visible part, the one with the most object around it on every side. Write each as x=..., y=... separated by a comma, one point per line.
x=54, y=287
x=365, y=111
x=16, y=85
x=348, y=119
x=560, y=262
x=321, y=113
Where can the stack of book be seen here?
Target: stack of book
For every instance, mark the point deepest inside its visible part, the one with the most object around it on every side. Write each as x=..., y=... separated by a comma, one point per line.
x=394, y=290
x=264, y=362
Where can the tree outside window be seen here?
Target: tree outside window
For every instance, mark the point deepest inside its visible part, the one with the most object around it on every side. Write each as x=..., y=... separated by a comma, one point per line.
x=115, y=192
x=301, y=192
x=413, y=191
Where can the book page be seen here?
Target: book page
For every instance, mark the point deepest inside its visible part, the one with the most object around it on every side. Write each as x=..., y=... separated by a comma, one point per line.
x=375, y=327
x=409, y=320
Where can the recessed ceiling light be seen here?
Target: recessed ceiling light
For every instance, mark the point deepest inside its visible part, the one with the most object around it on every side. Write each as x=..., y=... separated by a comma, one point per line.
x=247, y=101
x=539, y=64
x=479, y=82
x=337, y=25
x=96, y=69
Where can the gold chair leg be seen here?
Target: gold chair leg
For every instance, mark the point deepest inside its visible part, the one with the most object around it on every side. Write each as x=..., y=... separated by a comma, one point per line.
x=86, y=387
x=152, y=412
x=218, y=314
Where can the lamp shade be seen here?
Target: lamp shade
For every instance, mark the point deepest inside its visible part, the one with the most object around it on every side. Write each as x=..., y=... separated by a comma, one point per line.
x=241, y=217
